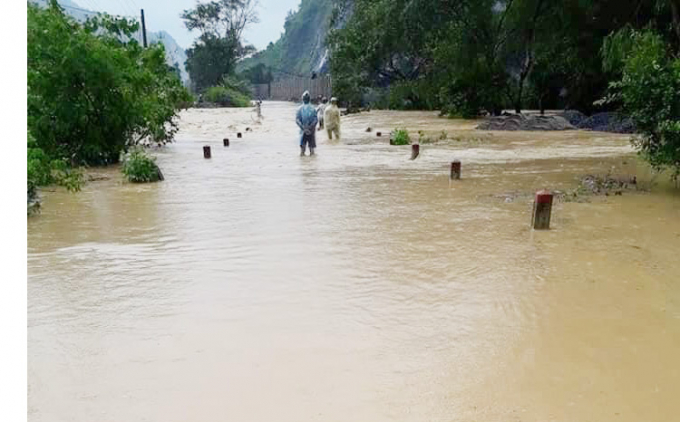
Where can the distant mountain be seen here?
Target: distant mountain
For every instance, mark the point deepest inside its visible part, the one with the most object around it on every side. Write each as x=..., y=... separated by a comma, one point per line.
x=175, y=55
x=302, y=47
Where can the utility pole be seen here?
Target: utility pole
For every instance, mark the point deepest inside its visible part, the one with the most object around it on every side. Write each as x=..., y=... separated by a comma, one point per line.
x=270, y=77
x=143, y=28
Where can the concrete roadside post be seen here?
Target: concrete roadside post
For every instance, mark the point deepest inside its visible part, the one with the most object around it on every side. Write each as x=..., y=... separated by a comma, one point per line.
x=455, y=170
x=415, y=151
x=542, y=209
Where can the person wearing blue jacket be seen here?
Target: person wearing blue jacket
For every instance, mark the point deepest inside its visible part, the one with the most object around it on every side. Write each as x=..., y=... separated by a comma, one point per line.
x=306, y=120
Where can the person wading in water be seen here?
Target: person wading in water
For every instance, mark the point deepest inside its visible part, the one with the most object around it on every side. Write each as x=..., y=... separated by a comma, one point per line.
x=320, y=110
x=306, y=120
x=332, y=119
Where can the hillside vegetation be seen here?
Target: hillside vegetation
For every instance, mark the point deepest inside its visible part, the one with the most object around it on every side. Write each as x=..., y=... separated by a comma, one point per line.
x=301, y=48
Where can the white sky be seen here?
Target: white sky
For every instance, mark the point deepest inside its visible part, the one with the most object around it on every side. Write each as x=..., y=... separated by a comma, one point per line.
x=164, y=15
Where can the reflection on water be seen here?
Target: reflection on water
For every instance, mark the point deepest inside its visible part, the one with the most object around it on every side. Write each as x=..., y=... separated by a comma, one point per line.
x=357, y=285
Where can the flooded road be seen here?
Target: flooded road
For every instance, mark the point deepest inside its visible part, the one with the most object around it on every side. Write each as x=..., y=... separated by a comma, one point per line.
x=357, y=285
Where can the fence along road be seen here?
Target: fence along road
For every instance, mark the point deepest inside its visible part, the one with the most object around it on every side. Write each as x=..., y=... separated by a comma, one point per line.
x=292, y=87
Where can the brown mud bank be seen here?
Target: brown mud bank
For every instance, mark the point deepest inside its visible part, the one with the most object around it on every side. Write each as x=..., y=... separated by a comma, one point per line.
x=562, y=120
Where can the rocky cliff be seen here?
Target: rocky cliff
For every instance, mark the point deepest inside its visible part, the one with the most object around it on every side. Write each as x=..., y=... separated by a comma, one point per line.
x=302, y=47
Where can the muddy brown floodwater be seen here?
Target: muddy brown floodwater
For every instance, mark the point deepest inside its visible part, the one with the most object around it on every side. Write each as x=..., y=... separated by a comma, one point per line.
x=357, y=285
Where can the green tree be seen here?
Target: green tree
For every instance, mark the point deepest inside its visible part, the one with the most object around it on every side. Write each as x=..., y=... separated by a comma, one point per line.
x=449, y=50
x=648, y=91
x=220, y=45
x=93, y=90
x=484, y=55
x=258, y=74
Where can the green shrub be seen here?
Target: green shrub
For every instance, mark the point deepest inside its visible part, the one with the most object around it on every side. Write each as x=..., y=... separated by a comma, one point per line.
x=38, y=164
x=32, y=204
x=412, y=95
x=43, y=171
x=226, y=97
x=400, y=137
x=237, y=83
x=138, y=167
x=68, y=177
x=378, y=98
x=463, y=104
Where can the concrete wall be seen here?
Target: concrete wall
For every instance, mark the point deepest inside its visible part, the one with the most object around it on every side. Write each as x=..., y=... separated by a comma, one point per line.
x=293, y=87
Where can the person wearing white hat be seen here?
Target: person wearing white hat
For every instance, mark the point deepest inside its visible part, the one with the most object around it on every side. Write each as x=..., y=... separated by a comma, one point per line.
x=332, y=119
x=320, y=110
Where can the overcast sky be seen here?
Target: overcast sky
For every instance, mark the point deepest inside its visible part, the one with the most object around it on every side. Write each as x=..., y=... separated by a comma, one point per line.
x=164, y=15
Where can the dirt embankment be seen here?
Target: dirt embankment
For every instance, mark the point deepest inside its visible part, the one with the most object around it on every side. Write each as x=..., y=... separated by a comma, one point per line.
x=566, y=120
x=521, y=122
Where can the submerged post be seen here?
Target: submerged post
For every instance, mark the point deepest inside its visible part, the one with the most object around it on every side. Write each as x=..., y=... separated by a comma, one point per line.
x=226, y=142
x=542, y=210
x=455, y=170
x=415, y=151
x=206, y=152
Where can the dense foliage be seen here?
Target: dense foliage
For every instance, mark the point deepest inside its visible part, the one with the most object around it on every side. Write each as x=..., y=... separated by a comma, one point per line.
x=214, y=55
x=226, y=97
x=648, y=91
x=93, y=90
x=232, y=91
x=258, y=74
x=468, y=57
x=138, y=167
x=43, y=170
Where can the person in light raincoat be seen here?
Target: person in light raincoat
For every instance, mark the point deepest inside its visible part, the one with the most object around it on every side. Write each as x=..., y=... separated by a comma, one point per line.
x=332, y=119
x=320, y=110
x=306, y=120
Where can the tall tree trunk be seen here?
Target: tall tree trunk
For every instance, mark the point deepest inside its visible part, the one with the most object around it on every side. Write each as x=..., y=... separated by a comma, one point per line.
x=675, y=11
x=529, y=57
x=528, y=64
x=520, y=89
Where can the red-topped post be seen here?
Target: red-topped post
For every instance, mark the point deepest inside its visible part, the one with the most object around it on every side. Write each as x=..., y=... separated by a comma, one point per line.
x=415, y=151
x=542, y=210
x=455, y=170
